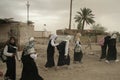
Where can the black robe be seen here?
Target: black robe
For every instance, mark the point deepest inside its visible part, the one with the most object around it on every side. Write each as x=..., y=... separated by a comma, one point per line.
x=30, y=71
x=11, y=62
x=104, y=47
x=78, y=55
x=50, y=55
x=63, y=60
x=112, y=51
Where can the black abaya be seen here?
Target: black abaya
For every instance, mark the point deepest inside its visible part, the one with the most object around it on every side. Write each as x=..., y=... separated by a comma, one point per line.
x=62, y=60
x=30, y=71
x=50, y=56
x=112, y=51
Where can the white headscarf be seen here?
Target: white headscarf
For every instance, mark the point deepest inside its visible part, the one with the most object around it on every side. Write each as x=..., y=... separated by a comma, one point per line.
x=53, y=36
x=29, y=46
x=114, y=36
x=68, y=37
x=31, y=39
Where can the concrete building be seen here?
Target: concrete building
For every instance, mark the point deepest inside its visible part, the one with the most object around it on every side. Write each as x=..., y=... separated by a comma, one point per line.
x=41, y=37
x=21, y=31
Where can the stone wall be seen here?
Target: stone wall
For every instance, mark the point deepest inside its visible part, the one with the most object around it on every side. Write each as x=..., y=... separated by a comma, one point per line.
x=21, y=31
x=42, y=34
x=25, y=33
x=7, y=30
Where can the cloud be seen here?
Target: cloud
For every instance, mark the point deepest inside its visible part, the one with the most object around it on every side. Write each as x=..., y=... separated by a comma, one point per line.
x=55, y=13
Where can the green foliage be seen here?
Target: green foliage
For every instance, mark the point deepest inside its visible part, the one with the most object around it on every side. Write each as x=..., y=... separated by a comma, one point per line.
x=84, y=16
x=98, y=27
x=30, y=22
x=79, y=26
x=6, y=20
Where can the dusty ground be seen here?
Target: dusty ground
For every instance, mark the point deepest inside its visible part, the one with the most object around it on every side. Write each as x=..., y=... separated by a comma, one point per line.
x=90, y=69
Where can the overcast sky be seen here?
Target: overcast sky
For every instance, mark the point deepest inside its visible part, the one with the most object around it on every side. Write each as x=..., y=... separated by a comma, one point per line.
x=55, y=13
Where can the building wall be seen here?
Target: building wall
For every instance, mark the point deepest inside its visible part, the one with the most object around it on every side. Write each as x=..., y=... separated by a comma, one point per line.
x=41, y=37
x=5, y=32
x=25, y=33
x=42, y=34
x=75, y=31
x=21, y=31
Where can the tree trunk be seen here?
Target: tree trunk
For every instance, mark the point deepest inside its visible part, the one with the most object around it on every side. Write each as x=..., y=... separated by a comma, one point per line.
x=83, y=27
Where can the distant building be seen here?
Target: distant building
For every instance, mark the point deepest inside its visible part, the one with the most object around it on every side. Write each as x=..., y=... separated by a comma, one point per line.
x=42, y=34
x=41, y=37
x=21, y=31
x=85, y=34
x=74, y=31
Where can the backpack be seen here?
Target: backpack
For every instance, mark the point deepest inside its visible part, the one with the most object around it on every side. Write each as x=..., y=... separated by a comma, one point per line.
x=3, y=58
x=77, y=48
x=101, y=42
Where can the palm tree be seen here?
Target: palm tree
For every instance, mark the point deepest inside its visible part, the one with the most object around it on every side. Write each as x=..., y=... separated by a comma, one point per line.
x=84, y=16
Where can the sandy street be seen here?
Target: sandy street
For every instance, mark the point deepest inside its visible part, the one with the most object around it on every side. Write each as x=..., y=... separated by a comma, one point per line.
x=90, y=69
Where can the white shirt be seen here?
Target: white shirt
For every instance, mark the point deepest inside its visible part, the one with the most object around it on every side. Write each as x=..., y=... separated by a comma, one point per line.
x=77, y=43
x=34, y=56
x=6, y=53
x=66, y=47
x=53, y=43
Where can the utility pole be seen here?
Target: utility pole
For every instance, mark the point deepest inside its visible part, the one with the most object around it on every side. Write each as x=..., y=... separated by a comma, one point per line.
x=28, y=5
x=70, y=15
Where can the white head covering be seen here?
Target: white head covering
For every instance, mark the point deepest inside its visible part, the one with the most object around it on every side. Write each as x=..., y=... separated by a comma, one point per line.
x=31, y=39
x=114, y=36
x=68, y=37
x=53, y=36
x=29, y=47
x=31, y=42
x=77, y=37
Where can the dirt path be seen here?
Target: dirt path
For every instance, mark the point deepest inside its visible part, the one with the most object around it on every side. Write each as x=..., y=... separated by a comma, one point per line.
x=90, y=69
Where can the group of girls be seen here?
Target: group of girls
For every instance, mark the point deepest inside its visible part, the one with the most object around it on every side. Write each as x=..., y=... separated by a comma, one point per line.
x=63, y=49
x=29, y=71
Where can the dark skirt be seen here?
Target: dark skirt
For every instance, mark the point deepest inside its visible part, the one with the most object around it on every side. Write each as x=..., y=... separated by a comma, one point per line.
x=78, y=56
x=11, y=68
x=103, y=50
x=112, y=51
x=50, y=60
x=30, y=71
x=63, y=60
x=112, y=54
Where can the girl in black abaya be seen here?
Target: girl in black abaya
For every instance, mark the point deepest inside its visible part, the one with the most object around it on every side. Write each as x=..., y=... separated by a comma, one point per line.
x=112, y=51
x=63, y=48
x=50, y=51
x=10, y=51
x=78, y=52
x=104, y=45
x=30, y=71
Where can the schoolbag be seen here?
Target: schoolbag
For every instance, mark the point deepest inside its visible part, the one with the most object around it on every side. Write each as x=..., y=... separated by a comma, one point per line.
x=77, y=48
x=101, y=42
x=3, y=58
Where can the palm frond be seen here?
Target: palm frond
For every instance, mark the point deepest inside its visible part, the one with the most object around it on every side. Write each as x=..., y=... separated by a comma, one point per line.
x=84, y=16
